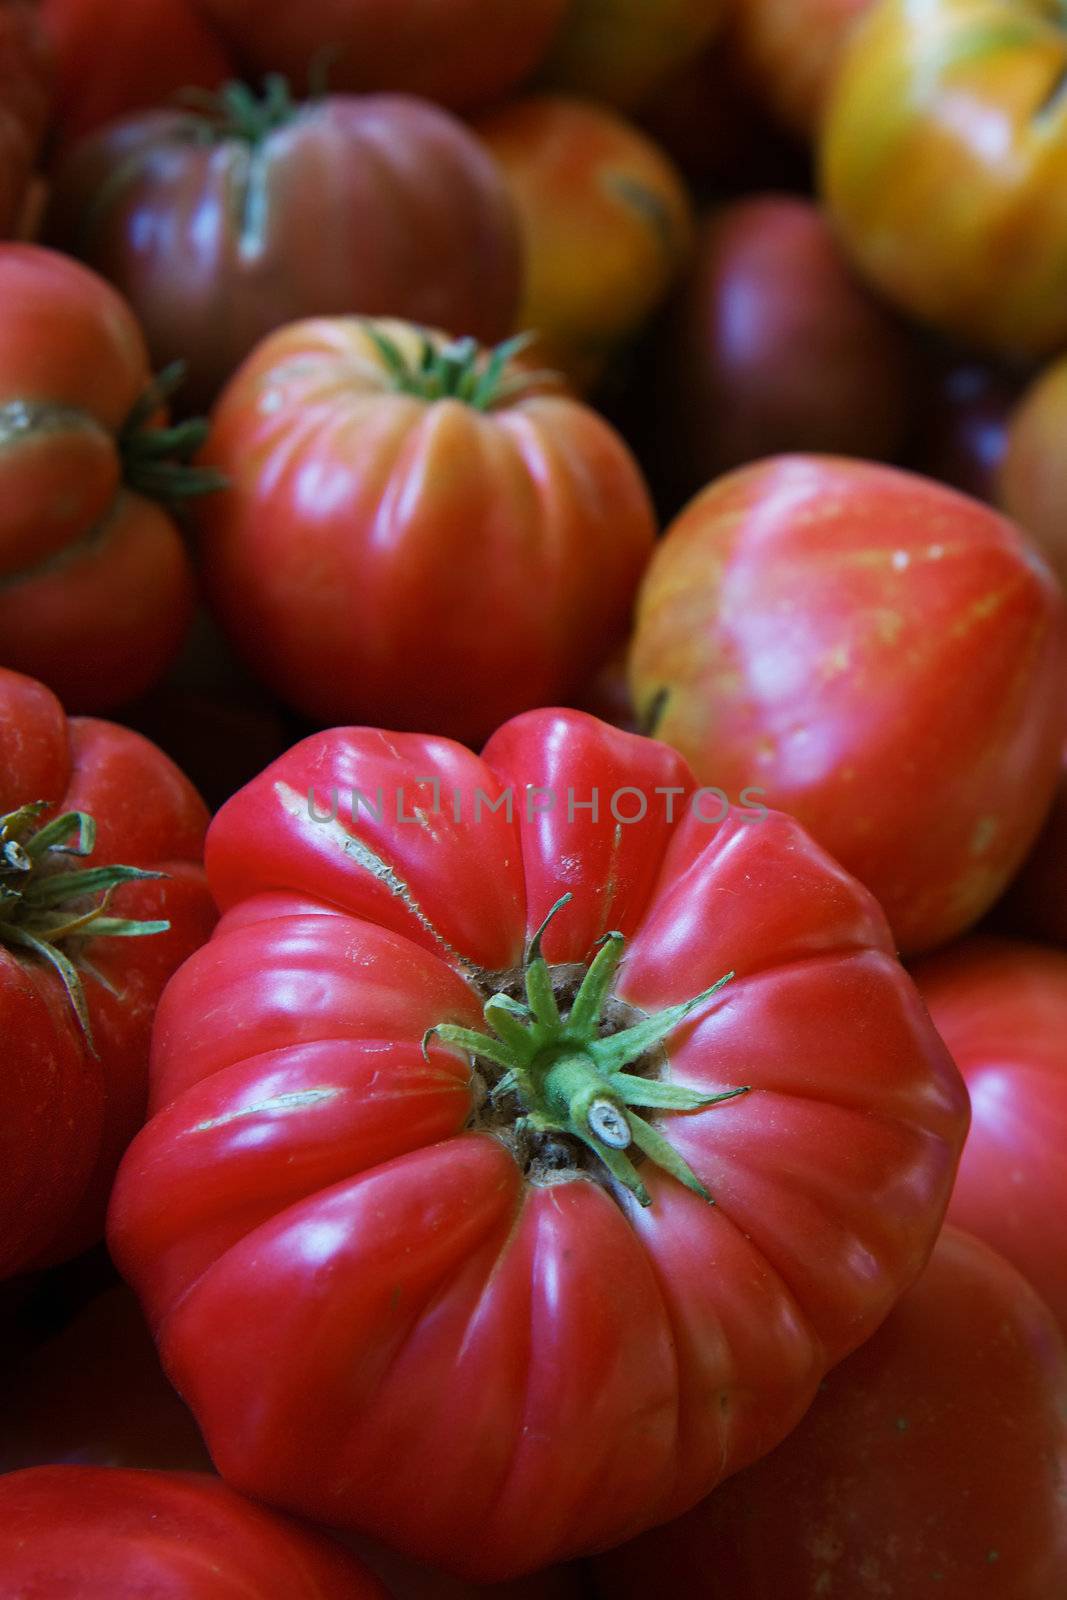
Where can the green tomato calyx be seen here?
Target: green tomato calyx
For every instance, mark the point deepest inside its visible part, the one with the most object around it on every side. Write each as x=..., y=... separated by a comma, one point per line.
x=459, y=369
x=46, y=904
x=569, y=1076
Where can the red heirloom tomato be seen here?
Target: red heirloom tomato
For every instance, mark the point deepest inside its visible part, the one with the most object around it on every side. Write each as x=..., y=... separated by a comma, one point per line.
x=95, y=1395
x=774, y=345
x=96, y=590
x=428, y=1261
x=112, y=59
x=944, y=159
x=414, y=536
x=25, y=84
x=623, y=50
x=221, y=226
x=933, y=1463
x=881, y=656
x=1001, y=1008
x=606, y=225
x=791, y=50
x=85, y=949
x=461, y=52
x=95, y=1533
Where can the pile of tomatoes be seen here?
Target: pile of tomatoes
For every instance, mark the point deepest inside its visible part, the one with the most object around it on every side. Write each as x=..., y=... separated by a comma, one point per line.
x=533, y=799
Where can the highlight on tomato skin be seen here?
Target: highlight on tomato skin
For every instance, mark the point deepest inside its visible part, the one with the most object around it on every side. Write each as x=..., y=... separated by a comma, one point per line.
x=277, y=204
x=931, y=1462
x=417, y=532
x=1001, y=1007
x=882, y=655
x=496, y=1124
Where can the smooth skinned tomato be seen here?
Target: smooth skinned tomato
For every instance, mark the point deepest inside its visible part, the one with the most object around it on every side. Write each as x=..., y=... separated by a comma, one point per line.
x=410, y=535
x=96, y=589
x=1032, y=482
x=606, y=226
x=114, y=59
x=466, y=1292
x=91, y=1533
x=25, y=93
x=75, y=1088
x=460, y=52
x=622, y=51
x=774, y=345
x=221, y=227
x=791, y=50
x=932, y=1463
x=883, y=657
x=943, y=155
x=1001, y=1007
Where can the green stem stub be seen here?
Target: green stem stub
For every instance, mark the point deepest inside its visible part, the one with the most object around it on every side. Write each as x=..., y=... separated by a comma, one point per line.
x=47, y=903
x=569, y=1076
x=157, y=461
x=460, y=369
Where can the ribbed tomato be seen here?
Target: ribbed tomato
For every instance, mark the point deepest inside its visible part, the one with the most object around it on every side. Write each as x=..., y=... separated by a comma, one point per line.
x=527, y=1142
x=417, y=533
x=223, y=225
x=933, y=1463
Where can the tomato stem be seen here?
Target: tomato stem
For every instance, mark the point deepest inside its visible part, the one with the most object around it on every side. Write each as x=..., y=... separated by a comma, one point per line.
x=567, y=1074
x=43, y=901
x=459, y=369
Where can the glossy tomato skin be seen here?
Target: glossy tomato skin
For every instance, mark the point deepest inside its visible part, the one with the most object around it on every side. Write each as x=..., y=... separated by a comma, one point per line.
x=883, y=656
x=96, y=589
x=95, y=1395
x=459, y=52
x=606, y=225
x=1032, y=481
x=943, y=153
x=791, y=50
x=1001, y=1007
x=552, y=1366
x=933, y=1462
x=68, y=1115
x=455, y=565
x=381, y=205
x=775, y=345
x=91, y=1533
x=111, y=60
x=25, y=95
x=622, y=51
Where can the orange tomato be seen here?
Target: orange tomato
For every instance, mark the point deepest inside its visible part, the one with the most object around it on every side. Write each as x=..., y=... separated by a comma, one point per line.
x=944, y=162
x=606, y=222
